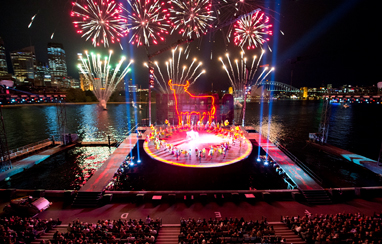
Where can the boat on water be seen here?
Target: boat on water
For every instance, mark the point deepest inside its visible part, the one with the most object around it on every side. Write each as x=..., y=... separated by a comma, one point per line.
x=345, y=105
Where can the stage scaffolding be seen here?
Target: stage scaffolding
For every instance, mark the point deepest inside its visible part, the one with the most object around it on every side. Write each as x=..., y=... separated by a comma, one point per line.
x=5, y=160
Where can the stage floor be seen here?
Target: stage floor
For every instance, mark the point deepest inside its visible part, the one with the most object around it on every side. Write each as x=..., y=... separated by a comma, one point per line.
x=205, y=140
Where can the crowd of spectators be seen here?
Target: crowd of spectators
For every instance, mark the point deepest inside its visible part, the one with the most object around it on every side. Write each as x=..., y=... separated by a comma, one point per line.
x=24, y=230
x=232, y=230
x=337, y=228
x=124, y=179
x=110, y=231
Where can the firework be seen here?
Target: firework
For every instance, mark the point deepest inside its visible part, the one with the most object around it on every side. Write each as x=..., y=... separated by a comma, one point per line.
x=229, y=9
x=250, y=30
x=32, y=19
x=100, y=21
x=101, y=75
x=146, y=20
x=179, y=74
x=193, y=16
x=242, y=72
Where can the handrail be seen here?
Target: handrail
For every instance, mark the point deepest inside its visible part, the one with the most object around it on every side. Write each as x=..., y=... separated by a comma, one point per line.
x=299, y=163
x=27, y=148
x=30, y=145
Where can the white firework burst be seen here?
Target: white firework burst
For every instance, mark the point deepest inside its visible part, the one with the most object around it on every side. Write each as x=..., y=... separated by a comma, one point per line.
x=99, y=20
x=192, y=16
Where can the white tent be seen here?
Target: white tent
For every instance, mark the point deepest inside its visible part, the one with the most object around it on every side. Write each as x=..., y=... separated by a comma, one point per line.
x=7, y=83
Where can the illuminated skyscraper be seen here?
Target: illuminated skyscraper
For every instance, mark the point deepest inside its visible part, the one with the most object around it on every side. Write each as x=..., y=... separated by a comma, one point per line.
x=3, y=60
x=85, y=83
x=24, y=63
x=57, y=63
x=42, y=74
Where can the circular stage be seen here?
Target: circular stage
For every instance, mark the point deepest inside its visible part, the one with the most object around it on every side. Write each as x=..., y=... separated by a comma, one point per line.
x=182, y=140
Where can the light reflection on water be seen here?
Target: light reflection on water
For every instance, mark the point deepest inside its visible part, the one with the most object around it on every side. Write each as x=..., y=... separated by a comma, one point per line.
x=355, y=129
x=87, y=161
x=67, y=170
x=29, y=124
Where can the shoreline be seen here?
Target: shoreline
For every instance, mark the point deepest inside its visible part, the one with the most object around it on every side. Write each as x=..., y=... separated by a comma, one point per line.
x=90, y=103
x=53, y=104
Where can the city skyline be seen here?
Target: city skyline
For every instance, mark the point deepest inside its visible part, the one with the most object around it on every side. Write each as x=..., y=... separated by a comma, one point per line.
x=316, y=49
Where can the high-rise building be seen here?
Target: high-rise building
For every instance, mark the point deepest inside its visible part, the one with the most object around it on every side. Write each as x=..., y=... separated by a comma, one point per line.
x=42, y=73
x=24, y=63
x=3, y=59
x=74, y=83
x=57, y=63
x=85, y=83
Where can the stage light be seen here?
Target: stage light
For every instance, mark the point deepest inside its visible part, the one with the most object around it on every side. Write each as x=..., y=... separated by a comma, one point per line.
x=139, y=161
x=266, y=163
x=131, y=164
x=258, y=159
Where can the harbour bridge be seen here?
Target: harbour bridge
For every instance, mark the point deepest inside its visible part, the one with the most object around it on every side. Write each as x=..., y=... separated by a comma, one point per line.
x=276, y=86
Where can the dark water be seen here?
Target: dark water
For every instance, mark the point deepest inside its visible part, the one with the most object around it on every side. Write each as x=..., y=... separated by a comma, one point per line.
x=357, y=129
x=28, y=124
x=64, y=171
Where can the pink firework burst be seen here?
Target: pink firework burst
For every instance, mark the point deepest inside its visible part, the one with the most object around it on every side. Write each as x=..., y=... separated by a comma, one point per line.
x=251, y=30
x=100, y=21
x=146, y=21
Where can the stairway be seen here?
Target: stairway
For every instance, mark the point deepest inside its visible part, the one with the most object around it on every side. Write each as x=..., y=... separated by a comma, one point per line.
x=168, y=234
x=87, y=199
x=317, y=197
x=282, y=230
x=47, y=236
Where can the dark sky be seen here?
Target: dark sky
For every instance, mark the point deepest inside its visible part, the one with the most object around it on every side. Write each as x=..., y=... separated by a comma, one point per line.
x=325, y=42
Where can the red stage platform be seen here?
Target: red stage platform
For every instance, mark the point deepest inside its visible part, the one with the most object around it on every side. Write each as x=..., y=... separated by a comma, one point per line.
x=179, y=139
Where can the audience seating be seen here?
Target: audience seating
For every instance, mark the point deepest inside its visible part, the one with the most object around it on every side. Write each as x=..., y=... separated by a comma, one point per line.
x=27, y=230
x=226, y=231
x=24, y=230
x=337, y=228
x=110, y=231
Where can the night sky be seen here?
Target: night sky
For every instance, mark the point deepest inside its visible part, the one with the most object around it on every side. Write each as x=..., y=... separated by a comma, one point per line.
x=325, y=42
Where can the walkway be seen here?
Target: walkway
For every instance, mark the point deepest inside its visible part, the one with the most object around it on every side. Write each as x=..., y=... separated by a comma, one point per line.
x=352, y=157
x=20, y=165
x=31, y=148
x=105, y=173
x=294, y=172
x=171, y=213
x=97, y=143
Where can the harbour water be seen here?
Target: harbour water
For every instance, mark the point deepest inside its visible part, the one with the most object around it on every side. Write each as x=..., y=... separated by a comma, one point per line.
x=356, y=129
